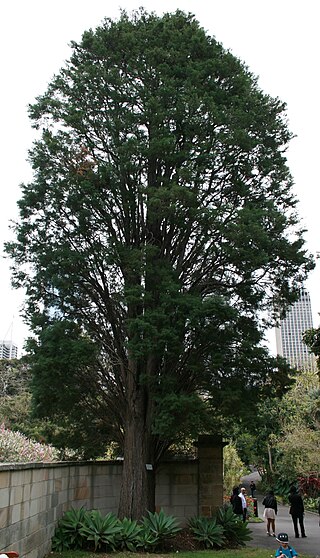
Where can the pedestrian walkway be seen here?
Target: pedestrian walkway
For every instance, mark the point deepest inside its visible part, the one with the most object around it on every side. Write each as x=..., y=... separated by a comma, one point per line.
x=309, y=546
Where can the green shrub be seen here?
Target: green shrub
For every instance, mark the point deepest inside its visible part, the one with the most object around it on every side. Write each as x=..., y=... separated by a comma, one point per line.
x=80, y=528
x=60, y=542
x=148, y=541
x=235, y=531
x=207, y=532
x=67, y=534
x=129, y=537
x=282, y=487
x=311, y=504
x=101, y=530
x=233, y=468
x=157, y=527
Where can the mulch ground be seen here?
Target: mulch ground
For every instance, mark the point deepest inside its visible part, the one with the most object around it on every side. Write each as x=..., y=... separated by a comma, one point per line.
x=182, y=541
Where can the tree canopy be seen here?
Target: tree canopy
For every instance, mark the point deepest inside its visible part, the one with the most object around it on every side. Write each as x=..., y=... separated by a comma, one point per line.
x=159, y=231
x=311, y=338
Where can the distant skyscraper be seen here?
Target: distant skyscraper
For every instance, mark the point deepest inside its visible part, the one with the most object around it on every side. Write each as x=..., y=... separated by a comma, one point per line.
x=8, y=349
x=289, y=334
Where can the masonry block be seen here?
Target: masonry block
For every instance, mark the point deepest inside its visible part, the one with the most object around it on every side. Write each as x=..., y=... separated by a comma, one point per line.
x=5, y=479
x=4, y=497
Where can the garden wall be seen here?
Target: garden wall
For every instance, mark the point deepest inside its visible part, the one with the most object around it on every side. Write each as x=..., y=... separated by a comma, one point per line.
x=34, y=496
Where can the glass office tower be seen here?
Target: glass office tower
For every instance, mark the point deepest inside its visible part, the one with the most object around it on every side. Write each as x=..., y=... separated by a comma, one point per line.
x=289, y=334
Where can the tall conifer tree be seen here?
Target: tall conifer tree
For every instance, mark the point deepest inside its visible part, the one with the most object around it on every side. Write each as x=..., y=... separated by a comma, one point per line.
x=159, y=225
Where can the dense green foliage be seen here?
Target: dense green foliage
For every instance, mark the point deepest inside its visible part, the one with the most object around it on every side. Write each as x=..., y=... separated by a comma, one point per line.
x=159, y=526
x=15, y=409
x=233, y=468
x=15, y=394
x=67, y=534
x=158, y=229
x=284, y=440
x=14, y=377
x=223, y=553
x=312, y=339
x=206, y=531
x=79, y=528
x=235, y=530
x=101, y=530
x=298, y=446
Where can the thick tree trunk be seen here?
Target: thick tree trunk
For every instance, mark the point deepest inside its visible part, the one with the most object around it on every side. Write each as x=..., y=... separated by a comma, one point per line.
x=138, y=480
x=137, y=494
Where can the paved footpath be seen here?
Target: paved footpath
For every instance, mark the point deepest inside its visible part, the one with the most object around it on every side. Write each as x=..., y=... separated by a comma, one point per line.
x=309, y=546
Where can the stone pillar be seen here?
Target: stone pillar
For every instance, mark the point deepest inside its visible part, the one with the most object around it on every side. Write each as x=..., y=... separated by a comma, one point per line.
x=210, y=482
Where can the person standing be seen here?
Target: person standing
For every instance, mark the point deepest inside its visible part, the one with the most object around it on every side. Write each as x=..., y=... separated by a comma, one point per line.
x=236, y=502
x=242, y=495
x=252, y=488
x=270, y=511
x=297, y=512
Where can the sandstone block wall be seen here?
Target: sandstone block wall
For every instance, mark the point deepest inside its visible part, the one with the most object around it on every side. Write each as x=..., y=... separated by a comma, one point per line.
x=34, y=496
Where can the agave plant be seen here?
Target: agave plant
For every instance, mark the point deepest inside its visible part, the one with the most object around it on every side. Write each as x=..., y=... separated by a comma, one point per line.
x=60, y=542
x=148, y=542
x=207, y=531
x=235, y=530
x=157, y=527
x=102, y=530
x=129, y=535
x=67, y=534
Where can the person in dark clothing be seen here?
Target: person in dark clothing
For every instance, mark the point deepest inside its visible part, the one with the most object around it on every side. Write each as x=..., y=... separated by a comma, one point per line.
x=296, y=511
x=236, y=502
x=270, y=511
x=252, y=488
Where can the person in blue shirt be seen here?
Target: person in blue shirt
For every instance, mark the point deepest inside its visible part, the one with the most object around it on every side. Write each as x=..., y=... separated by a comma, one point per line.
x=285, y=549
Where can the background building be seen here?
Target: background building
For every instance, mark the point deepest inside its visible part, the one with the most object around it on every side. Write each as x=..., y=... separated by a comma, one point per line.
x=8, y=349
x=289, y=334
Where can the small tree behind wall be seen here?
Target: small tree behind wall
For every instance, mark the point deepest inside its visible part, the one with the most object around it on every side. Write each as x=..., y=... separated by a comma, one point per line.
x=15, y=447
x=233, y=468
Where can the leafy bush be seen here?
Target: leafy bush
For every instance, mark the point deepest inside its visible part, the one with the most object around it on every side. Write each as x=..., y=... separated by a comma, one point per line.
x=129, y=537
x=235, y=530
x=17, y=448
x=233, y=468
x=309, y=485
x=101, y=530
x=80, y=528
x=282, y=487
x=59, y=541
x=207, y=532
x=158, y=527
x=148, y=541
x=67, y=534
x=250, y=506
x=311, y=504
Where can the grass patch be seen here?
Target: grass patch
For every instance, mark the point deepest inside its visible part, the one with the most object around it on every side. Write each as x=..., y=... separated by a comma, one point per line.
x=246, y=552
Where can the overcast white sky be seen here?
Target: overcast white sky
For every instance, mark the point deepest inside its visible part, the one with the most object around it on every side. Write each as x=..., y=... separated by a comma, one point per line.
x=277, y=39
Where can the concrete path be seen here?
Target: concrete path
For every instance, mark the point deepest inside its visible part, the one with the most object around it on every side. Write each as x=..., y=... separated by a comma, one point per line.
x=309, y=545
